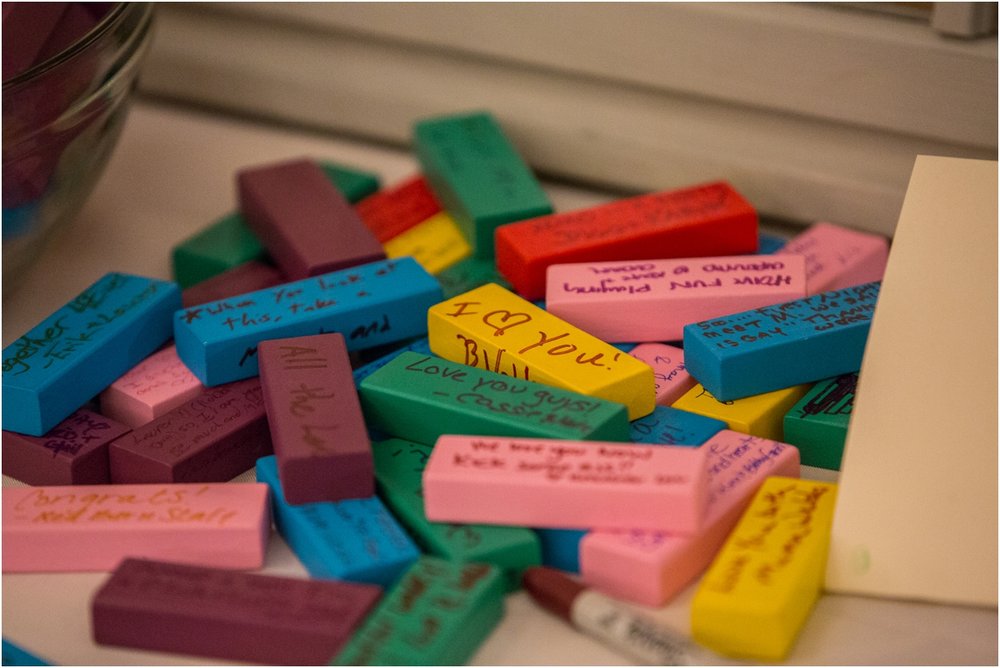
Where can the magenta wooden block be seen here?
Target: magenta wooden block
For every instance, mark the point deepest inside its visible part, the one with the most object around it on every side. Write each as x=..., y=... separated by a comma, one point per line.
x=304, y=222
x=318, y=431
x=652, y=300
x=565, y=484
x=838, y=257
x=247, y=277
x=93, y=527
x=74, y=452
x=157, y=385
x=669, y=373
x=212, y=438
x=280, y=621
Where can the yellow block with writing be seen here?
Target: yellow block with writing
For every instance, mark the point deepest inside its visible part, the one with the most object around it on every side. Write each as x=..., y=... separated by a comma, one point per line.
x=761, y=415
x=494, y=329
x=759, y=591
x=435, y=244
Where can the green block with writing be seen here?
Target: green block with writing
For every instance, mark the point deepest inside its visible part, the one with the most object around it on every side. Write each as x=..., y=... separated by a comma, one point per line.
x=817, y=424
x=438, y=614
x=469, y=274
x=478, y=175
x=399, y=465
x=420, y=397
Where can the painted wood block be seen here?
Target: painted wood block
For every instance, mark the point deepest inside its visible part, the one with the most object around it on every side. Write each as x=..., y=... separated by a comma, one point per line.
x=79, y=350
x=561, y=548
x=653, y=300
x=438, y=614
x=769, y=243
x=247, y=277
x=314, y=415
x=759, y=415
x=93, y=527
x=370, y=305
x=670, y=376
x=761, y=587
x=436, y=243
x=779, y=346
x=493, y=328
x=651, y=567
x=566, y=484
x=15, y=655
x=157, y=385
x=817, y=423
x=672, y=426
x=422, y=397
x=469, y=274
x=838, y=257
x=697, y=221
x=478, y=175
x=357, y=540
x=354, y=183
x=421, y=346
x=390, y=212
x=169, y=607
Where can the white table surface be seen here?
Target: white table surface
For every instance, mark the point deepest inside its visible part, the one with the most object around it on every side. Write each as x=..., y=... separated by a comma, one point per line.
x=173, y=173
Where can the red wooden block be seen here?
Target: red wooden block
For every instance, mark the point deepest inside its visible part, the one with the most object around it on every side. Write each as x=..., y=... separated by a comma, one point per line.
x=391, y=212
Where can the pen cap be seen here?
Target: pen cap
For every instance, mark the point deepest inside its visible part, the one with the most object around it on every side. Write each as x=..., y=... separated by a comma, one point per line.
x=553, y=590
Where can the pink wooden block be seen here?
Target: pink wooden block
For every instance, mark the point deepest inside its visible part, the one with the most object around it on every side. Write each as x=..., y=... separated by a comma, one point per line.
x=838, y=257
x=669, y=373
x=650, y=567
x=93, y=527
x=565, y=484
x=652, y=300
x=154, y=387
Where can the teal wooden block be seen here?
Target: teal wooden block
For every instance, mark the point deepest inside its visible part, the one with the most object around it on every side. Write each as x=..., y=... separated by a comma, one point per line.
x=673, y=426
x=817, y=424
x=468, y=275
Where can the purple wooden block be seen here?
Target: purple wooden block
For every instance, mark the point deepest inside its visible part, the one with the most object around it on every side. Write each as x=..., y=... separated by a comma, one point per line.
x=304, y=222
x=170, y=607
x=320, y=440
x=74, y=452
x=247, y=277
x=212, y=438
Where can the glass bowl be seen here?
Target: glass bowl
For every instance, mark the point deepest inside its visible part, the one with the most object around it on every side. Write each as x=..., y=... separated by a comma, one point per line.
x=61, y=120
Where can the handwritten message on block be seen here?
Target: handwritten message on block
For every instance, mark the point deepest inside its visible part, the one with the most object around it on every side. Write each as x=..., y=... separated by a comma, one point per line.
x=168, y=607
x=357, y=540
x=651, y=567
x=74, y=452
x=759, y=415
x=435, y=244
x=421, y=397
x=82, y=348
x=317, y=428
x=155, y=386
x=779, y=346
x=565, y=484
x=699, y=221
x=370, y=305
x=670, y=376
x=494, y=329
x=390, y=212
x=672, y=426
x=838, y=257
x=817, y=423
x=437, y=615
x=759, y=591
x=652, y=300
x=92, y=527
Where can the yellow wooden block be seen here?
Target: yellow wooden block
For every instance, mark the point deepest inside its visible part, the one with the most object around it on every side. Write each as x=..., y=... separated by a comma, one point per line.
x=761, y=415
x=757, y=594
x=435, y=244
x=494, y=329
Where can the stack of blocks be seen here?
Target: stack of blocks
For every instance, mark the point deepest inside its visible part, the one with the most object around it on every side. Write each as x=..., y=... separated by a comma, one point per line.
x=423, y=428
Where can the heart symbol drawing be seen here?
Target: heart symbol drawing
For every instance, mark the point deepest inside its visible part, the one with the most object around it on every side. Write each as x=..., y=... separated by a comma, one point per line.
x=506, y=320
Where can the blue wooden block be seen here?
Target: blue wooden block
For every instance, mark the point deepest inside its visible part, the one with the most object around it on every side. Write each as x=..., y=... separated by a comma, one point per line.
x=357, y=540
x=625, y=347
x=370, y=304
x=14, y=655
x=82, y=348
x=779, y=346
x=421, y=346
x=561, y=548
x=672, y=426
x=769, y=243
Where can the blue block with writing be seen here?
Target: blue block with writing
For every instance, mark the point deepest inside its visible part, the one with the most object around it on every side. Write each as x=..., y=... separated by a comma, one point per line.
x=770, y=348
x=14, y=655
x=672, y=426
x=357, y=540
x=370, y=304
x=561, y=548
x=422, y=346
x=83, y=347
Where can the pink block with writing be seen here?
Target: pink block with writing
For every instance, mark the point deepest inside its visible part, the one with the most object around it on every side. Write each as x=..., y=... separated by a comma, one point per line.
x=317, y=428
x=565, y=484
x=669, y=373
x=650, y=567
x=154, y=387
x=838, y=257
x=652, y=300
x=92, y=528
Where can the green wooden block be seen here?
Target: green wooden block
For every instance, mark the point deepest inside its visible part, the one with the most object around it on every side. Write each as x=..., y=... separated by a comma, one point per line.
x=817, y=424
x=420, y=397
x=399, y=465
x=468, y=275
x=438, y=614
x=354, y=184
x=478, y=175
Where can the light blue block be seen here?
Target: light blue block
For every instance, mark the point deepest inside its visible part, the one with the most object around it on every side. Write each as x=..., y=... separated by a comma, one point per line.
x=18, y=656
x=422, y=346
x=769, y=243
x=561, y=548
x=370, y=304
x=83, y=347
x=779, y=346
x=672, y=426
x=625, y=347
x=357, y=540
